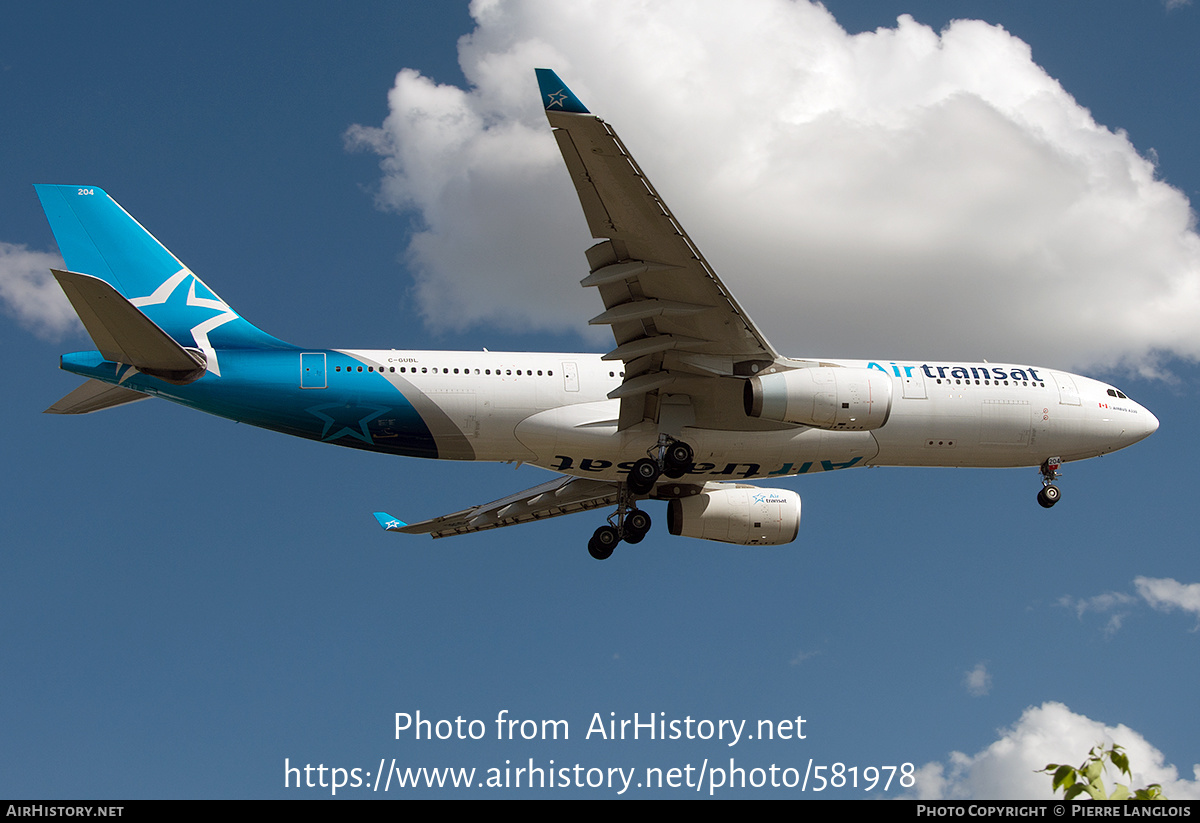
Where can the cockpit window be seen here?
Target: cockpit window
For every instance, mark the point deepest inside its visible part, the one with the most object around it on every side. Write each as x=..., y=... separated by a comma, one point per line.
x=1115, y=393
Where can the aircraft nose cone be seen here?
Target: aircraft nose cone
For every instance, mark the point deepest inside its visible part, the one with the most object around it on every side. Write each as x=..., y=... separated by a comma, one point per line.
x=1141, y=427
x=1151, y=423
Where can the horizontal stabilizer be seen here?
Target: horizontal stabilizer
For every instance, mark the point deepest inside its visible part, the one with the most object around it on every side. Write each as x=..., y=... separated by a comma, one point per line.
x=95, y=396
x=124, y=335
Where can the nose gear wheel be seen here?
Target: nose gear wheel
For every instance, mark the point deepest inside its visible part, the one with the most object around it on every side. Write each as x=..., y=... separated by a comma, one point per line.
x=1049, y=495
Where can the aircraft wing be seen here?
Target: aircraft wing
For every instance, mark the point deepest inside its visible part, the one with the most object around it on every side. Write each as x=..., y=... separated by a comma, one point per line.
x=676, y=325
x=563, y=495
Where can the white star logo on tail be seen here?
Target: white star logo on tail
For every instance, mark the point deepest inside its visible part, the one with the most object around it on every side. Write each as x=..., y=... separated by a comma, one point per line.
x=200, y=331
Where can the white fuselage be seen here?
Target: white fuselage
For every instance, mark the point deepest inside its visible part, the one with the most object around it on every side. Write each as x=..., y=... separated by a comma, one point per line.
x=552, y=410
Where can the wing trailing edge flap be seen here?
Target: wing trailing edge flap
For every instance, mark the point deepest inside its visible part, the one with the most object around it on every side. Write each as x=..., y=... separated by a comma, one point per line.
x=648, y=257
x=95, y=396
x=563, y=495
x=672, y=318
x=598, y=220
x=123, y=334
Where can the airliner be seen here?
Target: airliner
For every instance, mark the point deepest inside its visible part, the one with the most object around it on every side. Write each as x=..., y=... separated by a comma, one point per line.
x=690, y=404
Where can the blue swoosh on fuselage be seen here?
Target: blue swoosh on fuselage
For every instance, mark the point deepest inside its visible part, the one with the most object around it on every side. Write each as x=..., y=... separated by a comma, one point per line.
x=262, y=388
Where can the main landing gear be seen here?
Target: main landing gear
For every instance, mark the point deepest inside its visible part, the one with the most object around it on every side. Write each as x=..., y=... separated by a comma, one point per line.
x=631, y=526
x=674, y=459
x=628, y=522
x=1049, y=495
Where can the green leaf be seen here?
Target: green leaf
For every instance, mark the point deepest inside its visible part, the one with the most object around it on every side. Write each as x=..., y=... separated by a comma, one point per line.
x=1063, y=776
x=1089, y=777
x=1121, y=761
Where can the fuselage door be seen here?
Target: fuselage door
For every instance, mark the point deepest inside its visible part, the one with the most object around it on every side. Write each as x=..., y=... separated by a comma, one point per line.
x=312, y=370
x=570, y=376
x=914, y=384
x=1068, y=395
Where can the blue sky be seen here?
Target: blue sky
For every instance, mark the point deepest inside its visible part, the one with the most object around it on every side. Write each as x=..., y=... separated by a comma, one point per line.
x=187, y=602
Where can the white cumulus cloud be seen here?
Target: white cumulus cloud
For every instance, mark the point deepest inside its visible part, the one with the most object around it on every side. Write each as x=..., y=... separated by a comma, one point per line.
x=978, y=680
x=1166, y=594
x=1050, y=733
x=901, y=192
x=1162, y=593
x=1116, y=602
x=30, y=292
x=1099, y=603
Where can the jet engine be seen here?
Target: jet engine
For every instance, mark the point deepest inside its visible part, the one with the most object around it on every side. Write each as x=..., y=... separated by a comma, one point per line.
x=836, y=399
x=746, y=515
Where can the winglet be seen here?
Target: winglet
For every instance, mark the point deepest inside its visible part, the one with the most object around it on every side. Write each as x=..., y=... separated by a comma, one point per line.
x=555, y=94
x=389, y=523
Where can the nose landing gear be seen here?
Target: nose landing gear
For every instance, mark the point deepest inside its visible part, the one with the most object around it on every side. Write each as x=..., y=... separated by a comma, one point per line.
x=1049, y=495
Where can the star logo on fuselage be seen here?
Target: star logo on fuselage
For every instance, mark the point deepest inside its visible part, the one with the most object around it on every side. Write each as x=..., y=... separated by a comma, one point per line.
x=347, y=420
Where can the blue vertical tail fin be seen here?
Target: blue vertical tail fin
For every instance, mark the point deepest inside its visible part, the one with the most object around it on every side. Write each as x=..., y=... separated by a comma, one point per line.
x=99, y=238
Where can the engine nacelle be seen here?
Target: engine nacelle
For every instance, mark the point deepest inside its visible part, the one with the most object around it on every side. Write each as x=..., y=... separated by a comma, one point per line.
x=748, y=516
x=825, y=398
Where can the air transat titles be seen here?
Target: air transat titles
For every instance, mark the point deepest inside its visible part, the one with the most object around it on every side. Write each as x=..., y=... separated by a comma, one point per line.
x=976, y=372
